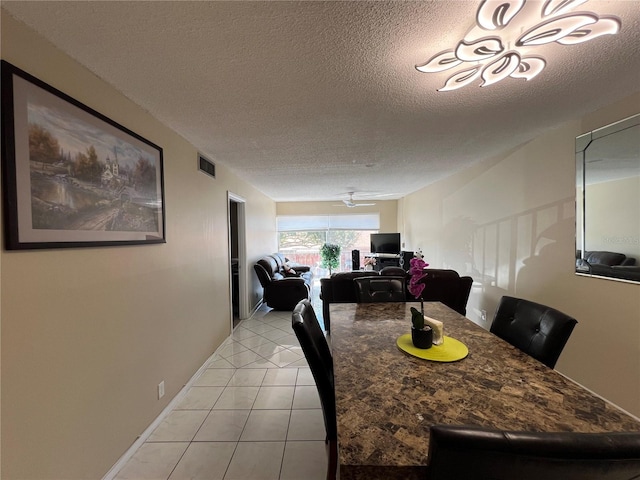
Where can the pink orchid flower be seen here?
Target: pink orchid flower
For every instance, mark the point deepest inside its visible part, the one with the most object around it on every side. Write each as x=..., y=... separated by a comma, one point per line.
x=417, y=273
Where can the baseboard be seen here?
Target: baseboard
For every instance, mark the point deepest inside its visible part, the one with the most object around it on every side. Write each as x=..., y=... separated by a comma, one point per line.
x=111, y=474
x=256, y=308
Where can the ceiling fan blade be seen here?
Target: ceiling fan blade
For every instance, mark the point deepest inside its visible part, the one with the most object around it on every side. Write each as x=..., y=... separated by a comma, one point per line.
x=350, y=203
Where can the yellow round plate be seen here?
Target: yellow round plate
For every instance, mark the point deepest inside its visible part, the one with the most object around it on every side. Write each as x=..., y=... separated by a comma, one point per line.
x=451, y=349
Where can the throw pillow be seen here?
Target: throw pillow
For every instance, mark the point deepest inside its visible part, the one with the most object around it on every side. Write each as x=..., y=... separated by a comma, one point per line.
x=289, y=272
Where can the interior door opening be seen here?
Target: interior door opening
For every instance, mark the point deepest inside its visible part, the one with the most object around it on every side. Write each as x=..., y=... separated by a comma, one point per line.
x=237, y=259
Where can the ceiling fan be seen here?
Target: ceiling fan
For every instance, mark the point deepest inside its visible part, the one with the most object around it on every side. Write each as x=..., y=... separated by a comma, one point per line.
x=350, y=203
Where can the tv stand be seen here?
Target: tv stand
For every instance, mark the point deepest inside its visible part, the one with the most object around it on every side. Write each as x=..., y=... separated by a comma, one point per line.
x=384, y=260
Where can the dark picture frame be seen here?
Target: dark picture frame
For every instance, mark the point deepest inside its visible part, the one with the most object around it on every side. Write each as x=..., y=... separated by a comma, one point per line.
x=71, y=177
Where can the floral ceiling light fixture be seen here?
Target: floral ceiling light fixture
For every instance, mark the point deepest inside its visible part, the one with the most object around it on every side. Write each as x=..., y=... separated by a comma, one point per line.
x=507, y=33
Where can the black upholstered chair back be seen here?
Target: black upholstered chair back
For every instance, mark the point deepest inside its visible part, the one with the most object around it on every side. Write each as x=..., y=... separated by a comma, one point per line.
x=536, y=329
x=472, y=453
x=270, y=265
x=448, y=287
x=393, y=271
x=338, y=288
x=316, y=351
x=263, y=274
x=383, y=288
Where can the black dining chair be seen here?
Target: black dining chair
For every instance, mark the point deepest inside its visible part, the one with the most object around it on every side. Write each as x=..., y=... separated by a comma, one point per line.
x=380, y=289
x=393, y=271
x=316, y=351
x=536, y=329
x=473, y=453
x=448, y=287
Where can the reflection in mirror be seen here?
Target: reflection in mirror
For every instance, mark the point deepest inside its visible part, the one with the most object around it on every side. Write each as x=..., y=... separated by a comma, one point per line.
x=608, y=201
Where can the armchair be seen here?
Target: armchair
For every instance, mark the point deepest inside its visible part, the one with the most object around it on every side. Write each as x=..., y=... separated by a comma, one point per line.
x=281, y=292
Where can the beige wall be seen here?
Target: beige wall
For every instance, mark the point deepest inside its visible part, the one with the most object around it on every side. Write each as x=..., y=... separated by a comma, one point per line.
x=87, y=334
x=509, y=222
x=388, y=210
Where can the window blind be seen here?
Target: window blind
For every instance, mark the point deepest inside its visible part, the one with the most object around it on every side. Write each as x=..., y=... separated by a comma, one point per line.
x=292, y=223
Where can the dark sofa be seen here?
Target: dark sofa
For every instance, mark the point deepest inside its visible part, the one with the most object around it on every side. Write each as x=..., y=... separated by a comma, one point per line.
x=444, y=286
x=610, y=259
x=284, y=283
x=608, y=264
x=339, y=288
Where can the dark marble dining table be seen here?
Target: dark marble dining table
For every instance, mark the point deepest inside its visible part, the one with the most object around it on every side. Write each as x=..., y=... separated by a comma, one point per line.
x=386, y=399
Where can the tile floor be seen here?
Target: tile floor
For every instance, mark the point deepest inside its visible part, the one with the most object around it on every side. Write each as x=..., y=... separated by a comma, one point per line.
x=254, y=413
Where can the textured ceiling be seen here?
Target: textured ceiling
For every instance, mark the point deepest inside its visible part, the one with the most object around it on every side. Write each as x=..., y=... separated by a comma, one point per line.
x=310, y=100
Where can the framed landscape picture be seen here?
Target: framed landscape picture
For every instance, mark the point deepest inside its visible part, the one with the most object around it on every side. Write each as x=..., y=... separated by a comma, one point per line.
x=72, y=177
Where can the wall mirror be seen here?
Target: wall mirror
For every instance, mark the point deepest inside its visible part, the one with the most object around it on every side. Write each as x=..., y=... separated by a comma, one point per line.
x=608, y=201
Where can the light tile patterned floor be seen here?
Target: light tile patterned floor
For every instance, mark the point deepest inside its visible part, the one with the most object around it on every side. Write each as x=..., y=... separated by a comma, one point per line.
x=254, y=413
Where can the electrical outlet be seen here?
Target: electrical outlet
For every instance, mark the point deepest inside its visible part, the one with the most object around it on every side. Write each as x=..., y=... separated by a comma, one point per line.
x=161, y=390
x=483, y=316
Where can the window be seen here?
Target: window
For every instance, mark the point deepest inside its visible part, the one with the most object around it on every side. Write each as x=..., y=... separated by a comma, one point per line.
x=300, y=237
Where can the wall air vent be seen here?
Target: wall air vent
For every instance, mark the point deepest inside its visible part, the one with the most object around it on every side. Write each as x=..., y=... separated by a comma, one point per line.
x=206, y=166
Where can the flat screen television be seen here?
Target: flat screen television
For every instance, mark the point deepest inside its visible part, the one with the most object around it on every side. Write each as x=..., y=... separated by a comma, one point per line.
x=385, y=243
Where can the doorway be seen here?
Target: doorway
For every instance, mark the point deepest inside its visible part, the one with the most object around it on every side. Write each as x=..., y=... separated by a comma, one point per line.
x=237, y=259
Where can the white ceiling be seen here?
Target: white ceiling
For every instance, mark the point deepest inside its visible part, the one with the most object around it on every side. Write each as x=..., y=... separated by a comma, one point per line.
x=309, y=100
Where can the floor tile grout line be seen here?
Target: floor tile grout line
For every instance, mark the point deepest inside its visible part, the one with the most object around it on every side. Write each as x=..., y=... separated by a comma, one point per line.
x=245, y=426
x=267, y=360
x=178, y=462
x=235, y=449
x=228, y=384
x=203, y=421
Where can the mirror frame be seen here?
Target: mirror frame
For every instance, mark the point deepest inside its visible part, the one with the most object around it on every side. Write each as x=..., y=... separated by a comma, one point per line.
x=583, y=142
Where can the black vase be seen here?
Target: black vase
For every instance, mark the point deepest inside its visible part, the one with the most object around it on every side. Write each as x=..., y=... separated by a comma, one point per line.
x=422, y=338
